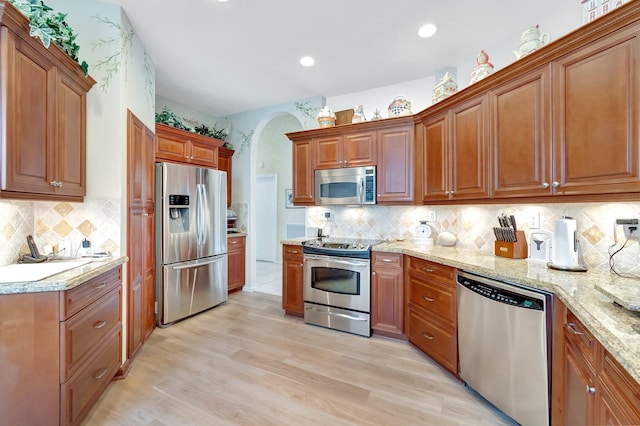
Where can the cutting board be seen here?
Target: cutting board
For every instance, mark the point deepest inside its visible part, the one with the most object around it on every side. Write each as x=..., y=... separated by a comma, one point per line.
x=26, y=272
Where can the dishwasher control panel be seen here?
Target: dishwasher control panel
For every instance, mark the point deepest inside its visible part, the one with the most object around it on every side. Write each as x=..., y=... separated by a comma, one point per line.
x=501, y=295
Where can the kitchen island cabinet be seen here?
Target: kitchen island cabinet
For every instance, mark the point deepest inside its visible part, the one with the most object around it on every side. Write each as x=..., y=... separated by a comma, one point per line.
x=292, y=280
x=387, y=294
x=236, y=255
x=60, y=349
x=182, y=146
x=44, y=119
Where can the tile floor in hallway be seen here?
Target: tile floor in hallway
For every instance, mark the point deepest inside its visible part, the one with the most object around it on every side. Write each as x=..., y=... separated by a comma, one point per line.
x=268, y=278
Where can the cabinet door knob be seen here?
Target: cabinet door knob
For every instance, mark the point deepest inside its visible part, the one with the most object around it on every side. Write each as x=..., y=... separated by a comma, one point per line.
x=590, y=389
x=53, y=183
x=555, y=184
x=373, y=273
x=545, y=184
x=446, y=192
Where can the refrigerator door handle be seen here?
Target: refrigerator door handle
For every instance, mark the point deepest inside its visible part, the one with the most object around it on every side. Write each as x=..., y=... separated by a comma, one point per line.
x=199, y=215
x=196, y=265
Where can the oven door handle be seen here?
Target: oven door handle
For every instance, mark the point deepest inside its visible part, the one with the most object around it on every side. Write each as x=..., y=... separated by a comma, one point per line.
x=333, y=260
x=337, y=314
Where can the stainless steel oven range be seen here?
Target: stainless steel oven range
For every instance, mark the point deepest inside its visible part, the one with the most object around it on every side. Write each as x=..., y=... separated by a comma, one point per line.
x=337, y=284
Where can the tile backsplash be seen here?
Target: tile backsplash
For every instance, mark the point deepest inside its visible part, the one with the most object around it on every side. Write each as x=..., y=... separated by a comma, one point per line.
x=472, y=225
x=59, y=223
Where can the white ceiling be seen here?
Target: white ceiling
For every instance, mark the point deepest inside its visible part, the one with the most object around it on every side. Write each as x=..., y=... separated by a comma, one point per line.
x=225, y=58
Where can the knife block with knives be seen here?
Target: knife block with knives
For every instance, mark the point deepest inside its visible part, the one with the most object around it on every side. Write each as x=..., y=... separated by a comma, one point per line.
x=510, y=242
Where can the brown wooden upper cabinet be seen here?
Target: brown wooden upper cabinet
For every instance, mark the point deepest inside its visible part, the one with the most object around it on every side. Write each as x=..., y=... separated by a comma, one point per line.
x=453, y=153
x=521, y=138
x=182, y=146
x=345, y=150
x=303, y=177
x=395, y=173
x=44, y=137
x=596, y=116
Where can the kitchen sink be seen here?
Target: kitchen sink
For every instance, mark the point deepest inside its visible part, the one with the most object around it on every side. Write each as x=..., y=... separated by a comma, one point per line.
x=24, y=272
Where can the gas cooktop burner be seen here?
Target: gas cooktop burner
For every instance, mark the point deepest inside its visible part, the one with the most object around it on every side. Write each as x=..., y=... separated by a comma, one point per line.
x=339, y=247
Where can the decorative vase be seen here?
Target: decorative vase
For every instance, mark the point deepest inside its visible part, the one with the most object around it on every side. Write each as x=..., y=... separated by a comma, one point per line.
x=326, y=117
x=400, y=106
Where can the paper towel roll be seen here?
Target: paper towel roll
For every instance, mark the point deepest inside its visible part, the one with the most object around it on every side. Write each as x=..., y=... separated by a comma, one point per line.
x=565, y=251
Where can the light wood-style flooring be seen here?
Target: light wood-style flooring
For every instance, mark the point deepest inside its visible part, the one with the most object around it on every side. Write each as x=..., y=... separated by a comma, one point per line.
x=245, y=363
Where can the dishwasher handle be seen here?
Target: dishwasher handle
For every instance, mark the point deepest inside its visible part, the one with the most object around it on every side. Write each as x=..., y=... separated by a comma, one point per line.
x=500, y=292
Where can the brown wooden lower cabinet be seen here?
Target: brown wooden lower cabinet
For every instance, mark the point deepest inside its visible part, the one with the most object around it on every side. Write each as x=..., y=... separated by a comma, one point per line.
x=430, y=317
x=387, y=294
x=292, y=276
x=60, y=350
x=589, y=385
x=236, y=255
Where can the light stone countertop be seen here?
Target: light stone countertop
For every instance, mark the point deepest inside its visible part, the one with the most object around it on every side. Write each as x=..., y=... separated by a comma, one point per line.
x=617, y=328
x=65, y=280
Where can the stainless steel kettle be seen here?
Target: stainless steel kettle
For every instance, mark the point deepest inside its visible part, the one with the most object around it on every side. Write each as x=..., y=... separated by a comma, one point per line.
x=566, y=251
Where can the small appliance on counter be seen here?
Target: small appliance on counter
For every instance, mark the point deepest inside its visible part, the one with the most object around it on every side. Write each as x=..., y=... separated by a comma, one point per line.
x=566, y=254
x=540, y=243
x=422, y=234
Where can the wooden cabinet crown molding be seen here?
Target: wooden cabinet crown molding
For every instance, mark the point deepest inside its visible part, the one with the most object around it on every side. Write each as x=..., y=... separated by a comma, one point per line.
x=348, y=128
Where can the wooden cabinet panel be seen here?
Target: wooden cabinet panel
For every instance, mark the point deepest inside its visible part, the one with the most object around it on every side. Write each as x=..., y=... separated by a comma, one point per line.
x=85, y=387
x=359, y=149
x=469, y=150
x=387, y=294
x=225, y=156
x=78, y=297
x=435, y=298
x=578, y=381
x=71, y=145
x=203, y=154
x=431, y=271
x=395, y=176
x=303, y=174
x=328, y=152
x=521, y=137
x=236, y=253
x=437, y=341
x=140, y=230
x=596, y=115
x=618, y=394
x=292, y=276
x=433, y=164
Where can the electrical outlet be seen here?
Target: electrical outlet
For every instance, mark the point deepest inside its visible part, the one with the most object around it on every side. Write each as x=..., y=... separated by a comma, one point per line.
x=534, y=220
x=327, y=216
x=631, y=231
x=431, y=216
x=86, y=248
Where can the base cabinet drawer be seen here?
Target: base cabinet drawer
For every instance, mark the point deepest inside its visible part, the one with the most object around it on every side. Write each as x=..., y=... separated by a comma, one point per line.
x=438, y=341
x=436, y=298
x=84, y=388
x=83, y=332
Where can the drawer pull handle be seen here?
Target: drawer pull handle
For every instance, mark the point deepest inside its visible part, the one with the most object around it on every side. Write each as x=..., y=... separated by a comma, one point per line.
x=100, y=324
x=571, y=327
x=426, y=336
x=428, y=299
x=293, y=251
x=428, y=270
x=233, y=242
x=101, y=373
x=387, y=260
x=100, y=286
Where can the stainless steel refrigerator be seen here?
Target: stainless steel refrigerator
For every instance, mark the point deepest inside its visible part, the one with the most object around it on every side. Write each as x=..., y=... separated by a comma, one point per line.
x=191, y=238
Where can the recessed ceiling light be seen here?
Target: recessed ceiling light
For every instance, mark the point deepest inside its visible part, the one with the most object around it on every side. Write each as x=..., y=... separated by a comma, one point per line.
x=427, y=30
x=307, y=61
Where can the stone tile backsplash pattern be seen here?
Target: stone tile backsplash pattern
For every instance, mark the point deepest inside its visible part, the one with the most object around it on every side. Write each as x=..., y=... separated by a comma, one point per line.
x=55, y=223
x=472, y=225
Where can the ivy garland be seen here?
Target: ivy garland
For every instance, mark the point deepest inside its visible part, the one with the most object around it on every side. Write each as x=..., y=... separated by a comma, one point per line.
x=48, y=26
x=170, y=118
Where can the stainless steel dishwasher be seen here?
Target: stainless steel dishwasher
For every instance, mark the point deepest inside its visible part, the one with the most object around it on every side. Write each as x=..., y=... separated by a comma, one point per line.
x=504, y=344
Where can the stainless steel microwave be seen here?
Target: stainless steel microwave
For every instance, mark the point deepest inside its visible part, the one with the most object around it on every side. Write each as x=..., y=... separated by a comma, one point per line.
x=347, y=186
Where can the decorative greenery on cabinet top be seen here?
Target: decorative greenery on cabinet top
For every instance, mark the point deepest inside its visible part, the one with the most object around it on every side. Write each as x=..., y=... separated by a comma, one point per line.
x=49, y=25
